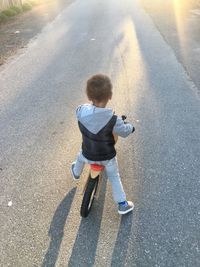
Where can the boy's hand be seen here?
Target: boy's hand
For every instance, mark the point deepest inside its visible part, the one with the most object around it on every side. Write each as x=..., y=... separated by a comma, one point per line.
x=123, y=128
x=125, y=122
x=124, y=117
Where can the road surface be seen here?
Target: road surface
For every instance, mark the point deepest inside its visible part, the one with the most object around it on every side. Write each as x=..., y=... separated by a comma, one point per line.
x=39, y=138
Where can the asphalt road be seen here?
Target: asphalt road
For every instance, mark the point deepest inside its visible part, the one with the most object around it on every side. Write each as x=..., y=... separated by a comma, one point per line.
x=39, y=138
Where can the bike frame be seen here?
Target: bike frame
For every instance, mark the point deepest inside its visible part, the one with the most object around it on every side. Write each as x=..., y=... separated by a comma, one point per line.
x=95, y=171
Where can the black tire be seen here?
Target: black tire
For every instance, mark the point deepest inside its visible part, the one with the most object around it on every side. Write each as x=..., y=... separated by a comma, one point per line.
x=88, y=197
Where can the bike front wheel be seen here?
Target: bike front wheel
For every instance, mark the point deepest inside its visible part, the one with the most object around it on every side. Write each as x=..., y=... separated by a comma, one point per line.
x=89, y=195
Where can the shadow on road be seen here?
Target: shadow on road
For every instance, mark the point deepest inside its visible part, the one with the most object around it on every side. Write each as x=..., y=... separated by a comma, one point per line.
x=56, y=229
x=84, y=250
x=122, y=241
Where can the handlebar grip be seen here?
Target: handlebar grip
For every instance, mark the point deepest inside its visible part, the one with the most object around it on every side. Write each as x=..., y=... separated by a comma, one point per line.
x=124, y=117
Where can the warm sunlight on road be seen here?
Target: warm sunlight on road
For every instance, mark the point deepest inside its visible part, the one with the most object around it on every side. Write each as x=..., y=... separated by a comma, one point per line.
x=180, y=10
x=128, y=64
x=159, y=163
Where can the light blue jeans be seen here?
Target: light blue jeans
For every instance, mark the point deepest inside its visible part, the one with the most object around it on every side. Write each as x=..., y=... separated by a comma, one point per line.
x=112, y=172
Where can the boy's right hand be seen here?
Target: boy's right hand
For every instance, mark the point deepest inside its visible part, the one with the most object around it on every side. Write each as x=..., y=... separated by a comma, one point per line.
x=123, y=128
x=124, y=117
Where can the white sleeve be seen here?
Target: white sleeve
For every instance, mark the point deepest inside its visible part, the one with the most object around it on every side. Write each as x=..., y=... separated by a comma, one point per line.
x=122, y=129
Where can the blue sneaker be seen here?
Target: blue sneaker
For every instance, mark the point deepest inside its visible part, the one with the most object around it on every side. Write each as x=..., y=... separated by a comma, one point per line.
x=125, y=207
x=75, y=177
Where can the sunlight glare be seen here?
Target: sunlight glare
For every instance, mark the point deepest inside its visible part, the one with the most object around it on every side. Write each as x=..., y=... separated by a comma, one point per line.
x=179, y=8
x=128, y=67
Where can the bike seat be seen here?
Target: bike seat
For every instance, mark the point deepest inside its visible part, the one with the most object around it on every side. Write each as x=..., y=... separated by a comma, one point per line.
x=96, y=167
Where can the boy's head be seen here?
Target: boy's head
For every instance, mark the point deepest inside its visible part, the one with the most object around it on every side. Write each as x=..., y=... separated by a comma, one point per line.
x=99, y=89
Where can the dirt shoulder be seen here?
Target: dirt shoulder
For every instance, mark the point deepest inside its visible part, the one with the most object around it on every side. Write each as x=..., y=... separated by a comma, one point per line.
x=17, y=32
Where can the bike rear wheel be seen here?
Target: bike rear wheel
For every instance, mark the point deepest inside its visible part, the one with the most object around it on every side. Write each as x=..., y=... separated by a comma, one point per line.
x=89, y=195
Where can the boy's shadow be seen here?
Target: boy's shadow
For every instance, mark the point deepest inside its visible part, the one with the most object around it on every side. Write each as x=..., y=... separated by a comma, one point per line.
x=85, y=246
x=56, y=229
x=84, y=249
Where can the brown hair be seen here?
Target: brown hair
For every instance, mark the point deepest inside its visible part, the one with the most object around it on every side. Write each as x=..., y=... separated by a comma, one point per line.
x=99, y=88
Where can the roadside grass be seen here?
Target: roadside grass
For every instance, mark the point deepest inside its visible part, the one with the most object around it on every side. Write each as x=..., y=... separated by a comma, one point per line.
x=3, y=17
x=26, y=6
x=9, y=12
x=15, y=10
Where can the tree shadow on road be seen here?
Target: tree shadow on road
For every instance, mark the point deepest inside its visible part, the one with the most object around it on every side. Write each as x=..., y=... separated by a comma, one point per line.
x=84, y=249
x=56, y=230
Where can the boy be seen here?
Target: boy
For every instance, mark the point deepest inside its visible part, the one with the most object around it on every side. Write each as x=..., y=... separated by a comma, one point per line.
x=97, y=125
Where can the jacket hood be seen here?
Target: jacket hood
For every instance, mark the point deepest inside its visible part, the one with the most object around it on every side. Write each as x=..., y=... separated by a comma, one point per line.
x=93, y=118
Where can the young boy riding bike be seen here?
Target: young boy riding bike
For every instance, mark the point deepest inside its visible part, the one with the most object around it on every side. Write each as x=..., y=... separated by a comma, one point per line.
x=98, y=126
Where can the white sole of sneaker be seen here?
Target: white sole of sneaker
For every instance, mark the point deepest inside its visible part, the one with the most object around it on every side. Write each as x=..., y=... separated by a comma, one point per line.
x=125, y=212
x=76, y=180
